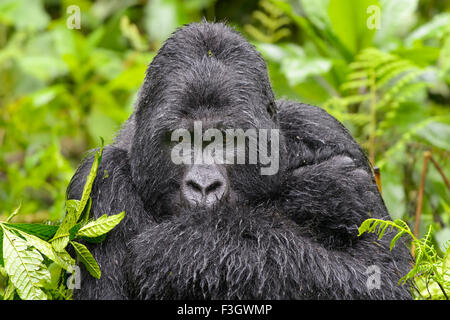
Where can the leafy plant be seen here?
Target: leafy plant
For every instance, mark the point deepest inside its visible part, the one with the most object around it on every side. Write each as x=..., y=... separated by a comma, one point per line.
x=271, y=25
x=379, y=81
x=431, y=272
x=32, y=256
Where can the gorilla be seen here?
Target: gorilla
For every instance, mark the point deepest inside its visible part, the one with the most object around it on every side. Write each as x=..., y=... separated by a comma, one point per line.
x=226, y=231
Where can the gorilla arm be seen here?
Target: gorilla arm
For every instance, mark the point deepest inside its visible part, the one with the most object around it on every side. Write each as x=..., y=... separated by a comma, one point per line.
x=330, y=190
x=112, y=193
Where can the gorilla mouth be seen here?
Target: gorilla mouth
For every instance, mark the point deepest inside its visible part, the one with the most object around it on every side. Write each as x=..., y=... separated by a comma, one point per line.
x=218, y=253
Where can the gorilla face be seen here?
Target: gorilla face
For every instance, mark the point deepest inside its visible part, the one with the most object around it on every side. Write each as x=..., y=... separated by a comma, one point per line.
x=217, y=96
x=204, y=183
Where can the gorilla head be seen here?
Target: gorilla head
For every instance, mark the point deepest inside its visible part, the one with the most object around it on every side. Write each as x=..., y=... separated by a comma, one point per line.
x=278, y=221
x=199, y=76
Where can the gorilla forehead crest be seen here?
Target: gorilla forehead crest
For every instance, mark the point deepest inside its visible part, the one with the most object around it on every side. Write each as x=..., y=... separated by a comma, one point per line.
x=202, y=64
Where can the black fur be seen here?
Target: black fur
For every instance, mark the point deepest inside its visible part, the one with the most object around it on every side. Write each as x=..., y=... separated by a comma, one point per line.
x=292, y=235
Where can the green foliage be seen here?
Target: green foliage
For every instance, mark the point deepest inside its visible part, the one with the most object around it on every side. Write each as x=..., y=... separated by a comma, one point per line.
x=270, y=19
x=24, y=246
x=431, y=272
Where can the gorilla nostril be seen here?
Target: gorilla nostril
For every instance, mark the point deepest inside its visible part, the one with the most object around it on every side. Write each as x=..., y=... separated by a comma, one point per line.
x=213, y=187
x=194, y=186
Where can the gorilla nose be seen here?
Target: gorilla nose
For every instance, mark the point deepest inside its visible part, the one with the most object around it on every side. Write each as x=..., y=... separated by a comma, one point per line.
x=204, y=185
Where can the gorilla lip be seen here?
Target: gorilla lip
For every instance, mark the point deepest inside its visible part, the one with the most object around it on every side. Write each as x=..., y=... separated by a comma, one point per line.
x=234, y=143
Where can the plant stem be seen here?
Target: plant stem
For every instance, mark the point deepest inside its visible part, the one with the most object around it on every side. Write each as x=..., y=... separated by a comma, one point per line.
x=447, y=183
x=376, y=171
x=373, y=118
x=426, y=158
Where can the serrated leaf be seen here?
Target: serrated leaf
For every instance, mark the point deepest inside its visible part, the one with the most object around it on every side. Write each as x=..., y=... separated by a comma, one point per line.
x=101, y=226
x=87, y=259
x=356, y=84
x=394, y=240
x=23, y=264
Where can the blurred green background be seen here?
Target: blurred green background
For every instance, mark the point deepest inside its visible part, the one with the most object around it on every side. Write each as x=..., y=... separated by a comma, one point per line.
x=382, y=67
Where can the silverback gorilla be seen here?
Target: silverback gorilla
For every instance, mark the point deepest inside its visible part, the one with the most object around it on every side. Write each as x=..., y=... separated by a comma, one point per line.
x=224, y=231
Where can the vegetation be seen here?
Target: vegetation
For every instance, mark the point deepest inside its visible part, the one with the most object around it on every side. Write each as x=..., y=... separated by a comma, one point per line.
x=382, y=67
x=34, y=255
x=431, y=272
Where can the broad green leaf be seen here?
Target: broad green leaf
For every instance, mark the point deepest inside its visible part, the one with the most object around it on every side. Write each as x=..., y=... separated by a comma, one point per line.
x=47, y=249
x=433, y=28
x=87, y=259
x=397, y=18
x=24, y=14
x=161, y=19
x=437, y=134
x=100, y=226
x=43, y=231
x=317, y=12
x=298, y=69
x=23, y=264
x=349, y=21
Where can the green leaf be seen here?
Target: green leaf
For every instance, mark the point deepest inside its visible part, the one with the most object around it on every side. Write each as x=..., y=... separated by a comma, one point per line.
x=433, y=28
x=397, y=18
x=47, y=249
x=394, y=240
x=43, y=231
x=24, y=14
x=72, y=205
x=9, y=292
x=62, y=236
x=100, y=226
x=437, y=134
x=2, y=263
x=12, y=215
x=298, y=69
x=24, y=266
x=161, y=19
x=349, y=22
x=87, y=259
x=89, y=182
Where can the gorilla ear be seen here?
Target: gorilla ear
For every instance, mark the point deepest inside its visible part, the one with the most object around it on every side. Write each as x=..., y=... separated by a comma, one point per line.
x=272, y=110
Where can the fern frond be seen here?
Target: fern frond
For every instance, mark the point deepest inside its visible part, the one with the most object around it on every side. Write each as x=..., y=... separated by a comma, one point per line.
x=378, y=81
x=270, y=23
